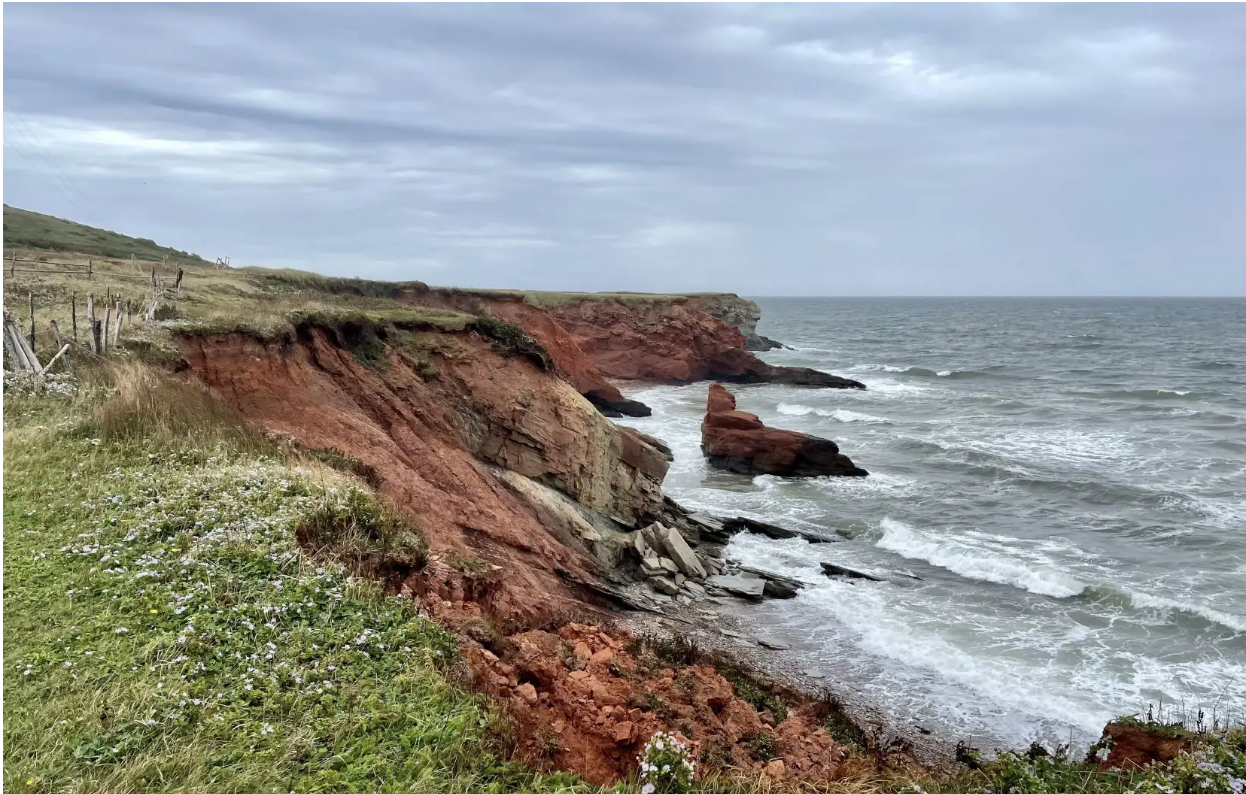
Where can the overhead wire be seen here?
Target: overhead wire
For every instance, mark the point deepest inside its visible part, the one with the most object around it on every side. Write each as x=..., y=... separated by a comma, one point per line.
x=63, y=185
x=43, y=149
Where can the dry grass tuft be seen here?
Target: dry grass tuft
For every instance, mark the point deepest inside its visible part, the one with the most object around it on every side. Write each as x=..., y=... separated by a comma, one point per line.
x=148, y=404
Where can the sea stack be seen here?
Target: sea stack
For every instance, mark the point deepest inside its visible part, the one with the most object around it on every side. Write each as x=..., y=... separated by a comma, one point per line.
x=738, y=442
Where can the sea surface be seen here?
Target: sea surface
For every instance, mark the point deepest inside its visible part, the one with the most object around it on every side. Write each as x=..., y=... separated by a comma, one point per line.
x=1067, y=477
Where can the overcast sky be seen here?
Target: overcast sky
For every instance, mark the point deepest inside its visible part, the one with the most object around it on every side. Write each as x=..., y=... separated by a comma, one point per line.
x=758, y=149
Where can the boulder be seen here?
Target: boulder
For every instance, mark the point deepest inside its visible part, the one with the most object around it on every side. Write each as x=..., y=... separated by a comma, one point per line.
x=642, y=548
x=742, y=524
x=664, y=585
x=831, y=569
x=738, y=442
x=679, y=551
x=668, y=565
x=738, y=584
x=778, y=589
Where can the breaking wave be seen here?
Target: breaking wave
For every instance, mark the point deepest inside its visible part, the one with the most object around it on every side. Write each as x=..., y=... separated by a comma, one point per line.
x=838, y=414
x=1172, y=609
x=975, y=562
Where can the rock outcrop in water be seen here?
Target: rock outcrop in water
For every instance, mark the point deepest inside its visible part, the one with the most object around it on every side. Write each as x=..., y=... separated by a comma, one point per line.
x=738, y=442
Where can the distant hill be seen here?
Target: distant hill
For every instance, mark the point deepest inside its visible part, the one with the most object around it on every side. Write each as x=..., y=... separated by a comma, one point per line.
x=26, y=229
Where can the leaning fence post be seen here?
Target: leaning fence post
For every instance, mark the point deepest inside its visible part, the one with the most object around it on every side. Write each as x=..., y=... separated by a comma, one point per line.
x=56, y=332
x=48, y=366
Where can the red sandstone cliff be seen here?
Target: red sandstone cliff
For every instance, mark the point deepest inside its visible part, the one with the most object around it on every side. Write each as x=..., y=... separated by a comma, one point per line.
x=648, y=338
x=673, y=341
x=497, y=458
x=433, y=439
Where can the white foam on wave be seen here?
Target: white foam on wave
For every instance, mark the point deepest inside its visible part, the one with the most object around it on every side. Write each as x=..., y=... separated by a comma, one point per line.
x=838, y=414
x=876, y=483
x=1161, y=604
x=889, y=388
x=1065, y=445
x=944, y=373
x=888, y=626
x=877, y=368
x=976, y=559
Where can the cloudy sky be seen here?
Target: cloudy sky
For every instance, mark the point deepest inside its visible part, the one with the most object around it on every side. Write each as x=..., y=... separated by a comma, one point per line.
x=759, y=149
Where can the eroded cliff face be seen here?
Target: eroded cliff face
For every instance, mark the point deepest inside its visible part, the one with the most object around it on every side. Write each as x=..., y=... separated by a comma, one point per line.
x=498, y=459
x=739, y=313
x=572, y=363
x=665, y=340
x=673, y=341
x=436, y=439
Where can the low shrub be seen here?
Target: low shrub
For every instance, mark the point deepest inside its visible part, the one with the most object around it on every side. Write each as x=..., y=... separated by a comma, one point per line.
x=666, y=765
x=365, y=536
x=747, y=689
x=511, y=340
x=761, y=746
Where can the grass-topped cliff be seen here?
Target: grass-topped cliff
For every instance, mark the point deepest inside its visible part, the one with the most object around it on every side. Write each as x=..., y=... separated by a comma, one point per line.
x=191, y=606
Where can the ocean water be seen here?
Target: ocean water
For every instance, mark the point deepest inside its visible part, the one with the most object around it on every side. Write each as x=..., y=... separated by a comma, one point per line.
x=1067, y=477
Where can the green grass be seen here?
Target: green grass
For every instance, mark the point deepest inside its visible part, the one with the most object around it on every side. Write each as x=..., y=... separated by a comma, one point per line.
x=26, y=229
x=164, y=630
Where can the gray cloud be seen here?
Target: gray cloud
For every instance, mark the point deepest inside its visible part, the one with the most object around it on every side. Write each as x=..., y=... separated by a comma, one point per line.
x=763, y=149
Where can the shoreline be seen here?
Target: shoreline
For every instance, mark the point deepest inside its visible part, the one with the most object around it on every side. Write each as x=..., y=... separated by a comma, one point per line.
x=782, y=667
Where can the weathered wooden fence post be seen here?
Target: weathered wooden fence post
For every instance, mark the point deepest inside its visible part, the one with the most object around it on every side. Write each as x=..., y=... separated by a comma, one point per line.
x=94, y=340
x=56, y=332
x=104, y=329
x=178, y=284
x=116, y=334
x=31, y=297
x=47, y=367
x=73, y=314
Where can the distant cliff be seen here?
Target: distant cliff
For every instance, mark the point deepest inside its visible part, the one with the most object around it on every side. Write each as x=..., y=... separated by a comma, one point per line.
x=738, y=312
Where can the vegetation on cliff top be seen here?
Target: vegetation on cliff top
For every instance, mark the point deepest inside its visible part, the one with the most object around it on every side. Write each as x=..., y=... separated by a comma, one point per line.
x=26, y=229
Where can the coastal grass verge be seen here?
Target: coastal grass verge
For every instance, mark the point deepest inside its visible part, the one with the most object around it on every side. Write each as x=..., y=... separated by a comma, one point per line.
x=166, y=630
